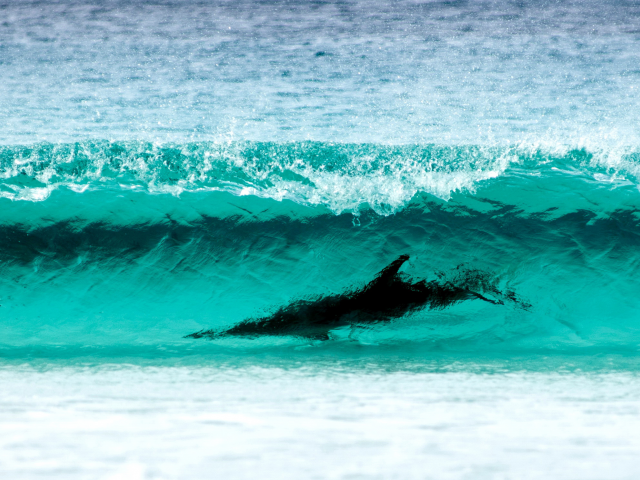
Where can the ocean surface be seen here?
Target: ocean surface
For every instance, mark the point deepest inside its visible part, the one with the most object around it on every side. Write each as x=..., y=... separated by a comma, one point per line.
x=176, y=166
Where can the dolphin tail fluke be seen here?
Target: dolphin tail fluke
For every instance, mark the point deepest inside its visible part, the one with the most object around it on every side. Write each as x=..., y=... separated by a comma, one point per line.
x=199, y=334
x=202, y=333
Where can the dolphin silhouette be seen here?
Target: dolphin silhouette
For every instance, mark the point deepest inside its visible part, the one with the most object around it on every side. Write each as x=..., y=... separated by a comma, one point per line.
x=386, y=297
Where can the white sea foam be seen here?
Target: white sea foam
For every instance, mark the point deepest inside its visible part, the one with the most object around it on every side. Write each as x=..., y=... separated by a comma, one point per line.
x=342, y=177
x=124, y=422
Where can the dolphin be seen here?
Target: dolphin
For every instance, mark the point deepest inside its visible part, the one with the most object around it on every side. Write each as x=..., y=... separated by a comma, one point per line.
x=386, y=297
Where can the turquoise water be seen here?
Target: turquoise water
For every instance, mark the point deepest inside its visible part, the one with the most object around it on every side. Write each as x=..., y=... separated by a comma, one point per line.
x=179, y=166
x=133, y=245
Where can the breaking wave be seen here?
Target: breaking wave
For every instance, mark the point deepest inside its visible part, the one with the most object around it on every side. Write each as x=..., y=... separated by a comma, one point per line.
x=342, y=177
x=134, y=245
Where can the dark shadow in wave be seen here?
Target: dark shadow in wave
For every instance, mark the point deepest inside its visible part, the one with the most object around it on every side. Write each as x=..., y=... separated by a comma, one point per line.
x=617, y=233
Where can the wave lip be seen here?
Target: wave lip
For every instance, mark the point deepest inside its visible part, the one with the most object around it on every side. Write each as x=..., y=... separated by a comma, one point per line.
x=342, y=177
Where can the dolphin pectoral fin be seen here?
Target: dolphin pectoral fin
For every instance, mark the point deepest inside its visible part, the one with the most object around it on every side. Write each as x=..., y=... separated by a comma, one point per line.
x=323, y=337
x=388, y=272
x=355, y=329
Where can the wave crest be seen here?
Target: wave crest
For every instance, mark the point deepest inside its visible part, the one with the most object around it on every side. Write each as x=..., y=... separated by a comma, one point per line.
x=342, y=177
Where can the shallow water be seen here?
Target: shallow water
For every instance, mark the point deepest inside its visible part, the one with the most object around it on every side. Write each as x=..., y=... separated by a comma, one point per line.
x=181, y=166
x=318, y=420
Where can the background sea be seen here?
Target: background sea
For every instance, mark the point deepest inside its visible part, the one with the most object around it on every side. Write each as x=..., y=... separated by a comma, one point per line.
x=173, y=166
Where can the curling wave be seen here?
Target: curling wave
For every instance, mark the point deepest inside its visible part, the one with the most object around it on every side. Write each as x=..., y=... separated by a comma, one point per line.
x=105, y=259
x=341, y=177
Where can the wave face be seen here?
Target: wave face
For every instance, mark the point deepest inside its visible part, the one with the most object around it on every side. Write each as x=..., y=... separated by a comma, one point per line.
x=175, y=166
x=130, y=246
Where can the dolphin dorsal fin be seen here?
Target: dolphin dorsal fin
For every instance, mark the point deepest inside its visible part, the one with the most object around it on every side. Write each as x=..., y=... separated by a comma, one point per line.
x=388, y=272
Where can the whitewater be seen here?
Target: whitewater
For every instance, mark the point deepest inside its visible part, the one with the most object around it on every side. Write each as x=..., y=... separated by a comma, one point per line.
x=177, y=167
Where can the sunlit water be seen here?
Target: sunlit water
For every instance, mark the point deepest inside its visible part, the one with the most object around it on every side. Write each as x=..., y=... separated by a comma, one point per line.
x=180, y=166
x=328, y=420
